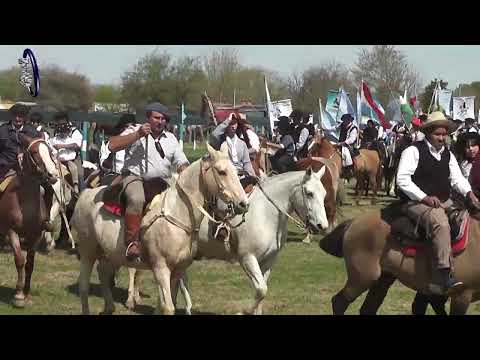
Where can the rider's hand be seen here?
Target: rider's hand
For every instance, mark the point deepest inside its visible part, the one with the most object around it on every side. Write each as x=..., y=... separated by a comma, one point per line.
x=431, y=201
x=20, y=157
x=144, y=130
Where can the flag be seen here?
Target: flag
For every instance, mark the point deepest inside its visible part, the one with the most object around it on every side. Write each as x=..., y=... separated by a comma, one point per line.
x=333, y=103
x=270, y=110
x=394, y=113
x=359, y=108
x=445, y=101
x=375, y=106
x=182, y=114
x=346, y=107
x=463, y=108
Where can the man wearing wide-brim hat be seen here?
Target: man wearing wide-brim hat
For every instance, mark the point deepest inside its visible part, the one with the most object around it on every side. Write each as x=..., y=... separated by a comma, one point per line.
x=426, y=174
x=150, y=152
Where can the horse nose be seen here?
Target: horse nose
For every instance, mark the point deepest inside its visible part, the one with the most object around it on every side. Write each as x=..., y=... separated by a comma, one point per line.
x=242, y=207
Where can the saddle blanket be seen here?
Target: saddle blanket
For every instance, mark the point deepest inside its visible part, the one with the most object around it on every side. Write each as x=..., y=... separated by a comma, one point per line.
x=7, y=180
x=459, y=242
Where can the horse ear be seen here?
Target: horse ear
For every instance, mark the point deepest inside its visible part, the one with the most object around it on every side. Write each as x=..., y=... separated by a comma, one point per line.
x=212, y=152
x=321, y=172
x=309, y=171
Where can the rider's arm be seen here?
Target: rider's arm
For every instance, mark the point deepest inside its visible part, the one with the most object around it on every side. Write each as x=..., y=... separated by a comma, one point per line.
x=217, y=137
x=76, y=143
x=124, y=140
x=457, y=180
x=179, y=160
x=302, y=139
x=247, y=164
x=406, y=168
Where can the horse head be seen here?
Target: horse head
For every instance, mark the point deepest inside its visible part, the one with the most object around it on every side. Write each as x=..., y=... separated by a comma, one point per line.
x=310, y=203
x=37, y=159
x=222, y=181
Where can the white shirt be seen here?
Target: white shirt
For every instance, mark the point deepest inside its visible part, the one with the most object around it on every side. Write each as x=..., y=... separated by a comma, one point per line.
x=302, y=139
x=135, y=155
x=74, y=138
x=409, y=163
x=352, y=135
x=119, y=157
x=418, y=136
x=254, y=140
x=381, y=132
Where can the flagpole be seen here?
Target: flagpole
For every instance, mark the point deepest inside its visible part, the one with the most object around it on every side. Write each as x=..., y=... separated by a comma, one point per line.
x=359, y=113
x=320, y=115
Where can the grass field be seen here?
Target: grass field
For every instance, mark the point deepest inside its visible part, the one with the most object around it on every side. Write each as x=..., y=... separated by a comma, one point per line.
x=302, y=282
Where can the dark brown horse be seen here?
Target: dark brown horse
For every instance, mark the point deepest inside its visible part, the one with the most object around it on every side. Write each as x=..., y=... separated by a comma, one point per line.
x=23, y=210
x=374, y=260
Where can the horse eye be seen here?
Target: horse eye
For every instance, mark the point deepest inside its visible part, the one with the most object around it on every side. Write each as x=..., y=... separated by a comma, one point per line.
x=222, y=173
x=309, y=194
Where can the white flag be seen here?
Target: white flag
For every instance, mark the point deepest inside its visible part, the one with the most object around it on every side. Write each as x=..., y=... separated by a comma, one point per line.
x=277, y=108
x=463, y=108
x=444, y=100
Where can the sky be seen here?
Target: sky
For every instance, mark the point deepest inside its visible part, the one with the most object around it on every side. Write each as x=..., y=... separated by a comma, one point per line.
x=104, y=64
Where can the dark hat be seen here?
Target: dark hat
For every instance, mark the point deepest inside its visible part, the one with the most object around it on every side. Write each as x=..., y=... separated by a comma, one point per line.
x=283, y=123
x=157, y=107
x=346, y=117
x=19, y=109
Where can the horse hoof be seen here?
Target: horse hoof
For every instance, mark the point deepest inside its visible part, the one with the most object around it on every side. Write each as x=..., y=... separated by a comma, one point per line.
x=106, y=312
x=130, y=304
x=18, y=303
x=29, y=300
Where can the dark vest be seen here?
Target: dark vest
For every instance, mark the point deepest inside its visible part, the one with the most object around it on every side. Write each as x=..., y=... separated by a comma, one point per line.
x=432, y=176
x=344, y=132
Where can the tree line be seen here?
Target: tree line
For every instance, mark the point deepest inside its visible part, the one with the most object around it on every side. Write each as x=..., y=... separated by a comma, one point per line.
x=159, y=76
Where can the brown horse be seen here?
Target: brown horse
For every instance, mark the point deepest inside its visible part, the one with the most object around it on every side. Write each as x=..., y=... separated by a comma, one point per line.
x=323, y=153
x=374, y=260
x=368, y=172
x=23, y=210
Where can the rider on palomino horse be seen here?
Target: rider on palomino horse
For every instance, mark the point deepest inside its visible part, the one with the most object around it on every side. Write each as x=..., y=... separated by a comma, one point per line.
x=10, y=146
x=150, y=152
x=348, y=141
x=426, y=174
x=225, y=134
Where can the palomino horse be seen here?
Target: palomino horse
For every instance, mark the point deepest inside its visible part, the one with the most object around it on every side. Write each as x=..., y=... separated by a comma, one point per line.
x=23, y=211
x=256, y=242
x=374, y=260
x=169, y=228
x=368, y=171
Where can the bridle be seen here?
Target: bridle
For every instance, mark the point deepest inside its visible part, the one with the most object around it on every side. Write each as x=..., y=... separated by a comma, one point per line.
x=37, y=168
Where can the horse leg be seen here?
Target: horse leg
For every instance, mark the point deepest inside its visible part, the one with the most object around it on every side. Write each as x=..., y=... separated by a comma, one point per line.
x=49, y=238
x=183, y=282
x=421, y=301
x=86, y=267
x=162, y=275
x=19, y=298
x=28, y=275
x=252, y=269
x=106, y=273
x=376, y=295
x=373, y=181
x=459, y=303
x=266, y=275
x=132, y=273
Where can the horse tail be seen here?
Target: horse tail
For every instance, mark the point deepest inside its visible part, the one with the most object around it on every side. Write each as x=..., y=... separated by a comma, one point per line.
x=333, y=243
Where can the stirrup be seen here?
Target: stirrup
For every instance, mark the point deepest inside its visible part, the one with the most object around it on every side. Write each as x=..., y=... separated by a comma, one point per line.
x=132, y=257
x=226, y=241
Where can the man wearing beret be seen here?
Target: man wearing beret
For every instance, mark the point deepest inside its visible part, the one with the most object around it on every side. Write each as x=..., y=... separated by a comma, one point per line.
x=10, y=146
x=150, y=152
x=426, y=175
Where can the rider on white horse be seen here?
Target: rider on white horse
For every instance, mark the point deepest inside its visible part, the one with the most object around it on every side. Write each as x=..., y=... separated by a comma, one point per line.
x=150, y=152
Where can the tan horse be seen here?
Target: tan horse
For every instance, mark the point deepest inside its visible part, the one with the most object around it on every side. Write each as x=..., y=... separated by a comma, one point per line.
x=368, y=173
x=374, y=259
x=169, y=228
x=322, y=153
x=23, y=211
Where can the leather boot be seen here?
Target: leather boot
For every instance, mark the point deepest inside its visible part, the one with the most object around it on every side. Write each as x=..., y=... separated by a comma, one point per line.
x=132, y=227
x=449, y=283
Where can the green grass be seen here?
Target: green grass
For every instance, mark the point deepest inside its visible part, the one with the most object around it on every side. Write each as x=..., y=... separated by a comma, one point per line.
x=302, y=282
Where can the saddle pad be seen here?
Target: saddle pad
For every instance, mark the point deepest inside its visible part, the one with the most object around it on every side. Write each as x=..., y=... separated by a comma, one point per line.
x=4, y=184
x=458, y=245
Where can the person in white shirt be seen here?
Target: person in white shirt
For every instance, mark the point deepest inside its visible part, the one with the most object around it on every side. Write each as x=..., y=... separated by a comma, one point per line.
x=68, y=142
x=426, y=174
x=36, y=121
x=348, y=141
x=417, y=135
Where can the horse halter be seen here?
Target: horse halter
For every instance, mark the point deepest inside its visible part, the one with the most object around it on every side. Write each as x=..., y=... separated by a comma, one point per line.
x=220, y=187
x=43, y=174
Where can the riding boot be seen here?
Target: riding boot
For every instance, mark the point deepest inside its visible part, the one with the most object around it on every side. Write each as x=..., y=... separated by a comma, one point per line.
x=449, y=283
x=132, y=227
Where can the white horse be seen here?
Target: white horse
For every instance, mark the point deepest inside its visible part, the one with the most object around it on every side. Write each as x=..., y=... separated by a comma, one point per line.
x=256, y=243
x=169, y=228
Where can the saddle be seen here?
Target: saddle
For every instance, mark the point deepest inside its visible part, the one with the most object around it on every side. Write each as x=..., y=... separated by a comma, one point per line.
x=6, y=180
x=114, y=200
x=414, y=238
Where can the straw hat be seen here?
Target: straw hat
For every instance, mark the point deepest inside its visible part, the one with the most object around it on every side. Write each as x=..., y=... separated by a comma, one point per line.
x=437, y=119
